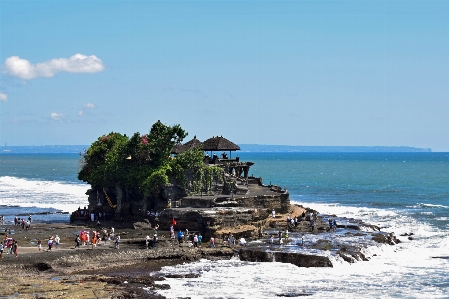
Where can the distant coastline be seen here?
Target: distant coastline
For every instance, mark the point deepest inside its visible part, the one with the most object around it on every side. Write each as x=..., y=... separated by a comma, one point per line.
x=75, y=149
x=332, y=149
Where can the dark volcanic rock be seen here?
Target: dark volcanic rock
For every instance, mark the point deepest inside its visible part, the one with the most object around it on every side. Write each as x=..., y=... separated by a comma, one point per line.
x=298, y=259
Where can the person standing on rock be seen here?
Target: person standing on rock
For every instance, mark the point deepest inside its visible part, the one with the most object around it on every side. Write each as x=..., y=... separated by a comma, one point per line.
x=147, y=241
x=195, y=241
x=154, y=240
x=273, y=213
x=212, y=242
x=14, y=248
x=280, y=238
x=312, y=223
x=1, y=250
x=50, y=244
x=57, y=241
x=200, y=240
x=180, y=236
x=172, y=232
x=117, y=242
x=78, y=241
x=303, y=238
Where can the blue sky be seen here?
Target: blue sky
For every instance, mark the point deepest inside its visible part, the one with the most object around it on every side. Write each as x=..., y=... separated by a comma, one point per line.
x=361, y=73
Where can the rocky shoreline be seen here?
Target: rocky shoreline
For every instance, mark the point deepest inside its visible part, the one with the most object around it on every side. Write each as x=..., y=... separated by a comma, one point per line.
x=106, y=272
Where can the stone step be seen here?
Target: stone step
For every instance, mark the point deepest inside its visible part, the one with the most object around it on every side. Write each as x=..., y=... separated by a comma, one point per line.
x=229, y=203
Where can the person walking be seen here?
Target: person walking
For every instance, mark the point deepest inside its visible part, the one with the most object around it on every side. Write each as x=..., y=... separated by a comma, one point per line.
x=154, y=240
x=14, y=248
x=50, y=244
x=117, y=242
x=180, y=237
x=39, y=244
x=147, y=241
x=57, y=241
x=78, y=241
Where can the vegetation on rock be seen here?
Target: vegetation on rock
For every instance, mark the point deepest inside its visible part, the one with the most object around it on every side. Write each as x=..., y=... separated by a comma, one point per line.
x=144, y=162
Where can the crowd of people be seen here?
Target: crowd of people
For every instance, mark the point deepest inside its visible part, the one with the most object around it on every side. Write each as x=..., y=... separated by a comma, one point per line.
x=9, y=245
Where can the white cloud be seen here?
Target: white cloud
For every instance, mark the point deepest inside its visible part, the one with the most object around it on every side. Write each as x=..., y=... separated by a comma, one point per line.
x=89, y=106
x=56, y=116
x=78, y=63
x=81, y=112
x=3, y=97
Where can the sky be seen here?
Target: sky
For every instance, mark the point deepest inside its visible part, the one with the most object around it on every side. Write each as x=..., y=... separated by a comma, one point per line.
x=310, y=73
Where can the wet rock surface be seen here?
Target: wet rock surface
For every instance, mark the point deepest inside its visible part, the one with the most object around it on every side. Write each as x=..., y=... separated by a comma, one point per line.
x=106, y=272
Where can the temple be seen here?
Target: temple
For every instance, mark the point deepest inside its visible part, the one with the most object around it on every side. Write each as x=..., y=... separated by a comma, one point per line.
x=227, y=196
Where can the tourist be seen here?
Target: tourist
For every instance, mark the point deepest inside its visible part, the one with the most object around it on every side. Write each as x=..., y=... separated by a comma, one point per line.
x=286, y=235
x=172, y=232
x=57, y=240
x=112, y=232
x=288, y=220
x=1, y=250
x=303, y=239
x=117, y=242
x=312, y=224
x=231, y=240
x=280, y=238
x=273, y=213
x=154, y=240
x=147, y=241
x=11, y=247
x=50, y=243
x=78, y=241
x=14, y=248
x=156, y=227
x=212, y=242
x=242, y=241
x=271, y=241
x=94, y=241
x=180, y=237
x=303, y=216
x=295, y=220
x=200, y=240
x=195, y=241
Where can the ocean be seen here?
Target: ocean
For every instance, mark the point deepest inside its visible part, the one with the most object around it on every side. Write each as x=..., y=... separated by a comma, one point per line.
x=400, y=192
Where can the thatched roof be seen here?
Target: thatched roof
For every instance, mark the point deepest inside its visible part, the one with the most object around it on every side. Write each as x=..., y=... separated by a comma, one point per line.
x=192, y=143
x=217, y=143
x=179, y=148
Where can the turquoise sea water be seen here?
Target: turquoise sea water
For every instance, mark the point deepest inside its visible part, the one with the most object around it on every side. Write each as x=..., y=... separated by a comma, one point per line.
x=400, y=192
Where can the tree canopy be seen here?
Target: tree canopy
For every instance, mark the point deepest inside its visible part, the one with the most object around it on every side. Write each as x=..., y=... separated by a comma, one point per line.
x=141, y=162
